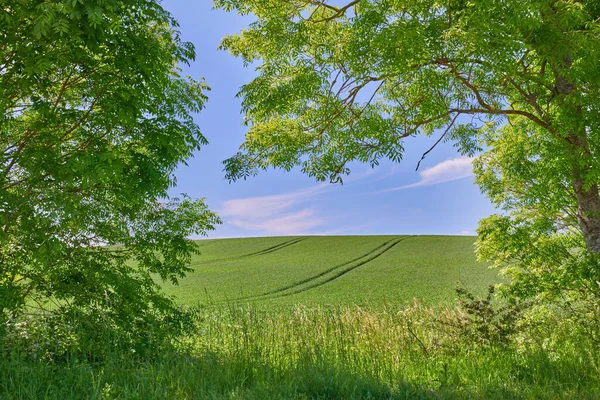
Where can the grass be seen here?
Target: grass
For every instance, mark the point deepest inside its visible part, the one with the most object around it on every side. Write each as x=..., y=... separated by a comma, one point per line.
x=241, y=352
x=342, y=270
x=323, y=318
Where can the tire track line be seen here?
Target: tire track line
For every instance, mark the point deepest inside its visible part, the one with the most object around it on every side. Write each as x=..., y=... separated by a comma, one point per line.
x=345, y=271
x=268, y=250
x=275, y=248
x=312, y=278
x=327, y=271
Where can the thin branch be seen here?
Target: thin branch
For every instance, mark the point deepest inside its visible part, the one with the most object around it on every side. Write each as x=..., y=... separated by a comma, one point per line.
x=529, y=98
x=338, y=11
x=469, y=85
x=62, y=91
x=322, y=3
x=438, y=141
x=521, y=113
x=414, y=335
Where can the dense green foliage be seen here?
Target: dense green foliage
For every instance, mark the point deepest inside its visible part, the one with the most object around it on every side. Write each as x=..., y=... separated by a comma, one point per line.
x=344, y=81
x=310, y=353
x=94, y=118
x=333, y=270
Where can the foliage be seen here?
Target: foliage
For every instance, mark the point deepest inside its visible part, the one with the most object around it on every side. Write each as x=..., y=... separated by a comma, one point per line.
x=515, y=79
x=94, y=118
x=536, y=241
x=93, y=334
x=483, y=322
x=421, y=64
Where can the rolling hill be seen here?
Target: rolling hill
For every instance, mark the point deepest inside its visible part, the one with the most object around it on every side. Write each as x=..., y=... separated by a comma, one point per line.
x=333, y=270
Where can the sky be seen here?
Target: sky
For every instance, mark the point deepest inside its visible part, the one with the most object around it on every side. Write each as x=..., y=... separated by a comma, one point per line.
x=392, y=199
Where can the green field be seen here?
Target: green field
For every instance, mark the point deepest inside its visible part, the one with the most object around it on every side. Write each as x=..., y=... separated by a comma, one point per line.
x=333, y=270
x=325, y=318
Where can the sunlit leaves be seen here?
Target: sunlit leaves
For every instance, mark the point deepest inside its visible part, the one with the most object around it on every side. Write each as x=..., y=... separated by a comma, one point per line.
x=426, y=61
x=517, y=80
x=95, y=117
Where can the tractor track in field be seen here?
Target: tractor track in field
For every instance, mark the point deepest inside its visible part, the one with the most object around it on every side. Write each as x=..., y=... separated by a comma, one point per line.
x=268, y=250
x=352, y=268
x=275, y=248
x=362, y=260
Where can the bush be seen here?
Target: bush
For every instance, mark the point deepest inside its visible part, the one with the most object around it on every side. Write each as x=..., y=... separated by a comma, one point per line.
x=483, y=322
x=94, y=334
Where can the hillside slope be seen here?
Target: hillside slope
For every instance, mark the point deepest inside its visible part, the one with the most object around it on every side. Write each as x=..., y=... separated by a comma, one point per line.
x=333, y=270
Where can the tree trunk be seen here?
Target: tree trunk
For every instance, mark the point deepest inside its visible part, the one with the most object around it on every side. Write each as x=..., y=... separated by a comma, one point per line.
x=588, y=198
x=588, y=214
x=586, y=194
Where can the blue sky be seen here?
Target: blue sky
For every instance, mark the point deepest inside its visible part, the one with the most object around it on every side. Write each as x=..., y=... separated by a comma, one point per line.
x=392, y=199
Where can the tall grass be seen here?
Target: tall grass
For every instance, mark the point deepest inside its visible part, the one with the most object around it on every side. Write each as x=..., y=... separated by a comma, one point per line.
x=245, y=352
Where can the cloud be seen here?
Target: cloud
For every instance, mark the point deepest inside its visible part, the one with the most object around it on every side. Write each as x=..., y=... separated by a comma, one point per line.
x=446, y=171
x=350, y=230
x=281, y=214
x=359, y=175
x=290, y=224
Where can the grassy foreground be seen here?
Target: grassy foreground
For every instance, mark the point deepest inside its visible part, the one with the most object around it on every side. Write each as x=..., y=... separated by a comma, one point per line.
x=322, y=318
x=313, y=353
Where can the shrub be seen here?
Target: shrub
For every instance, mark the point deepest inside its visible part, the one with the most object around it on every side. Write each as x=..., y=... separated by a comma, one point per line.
x=482, y=321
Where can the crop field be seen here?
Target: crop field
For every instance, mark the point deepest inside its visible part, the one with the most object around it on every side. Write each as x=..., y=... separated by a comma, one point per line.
x=333, y=270
x=327, y=318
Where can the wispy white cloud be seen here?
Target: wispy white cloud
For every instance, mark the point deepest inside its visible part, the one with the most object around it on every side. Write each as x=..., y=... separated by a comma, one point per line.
x=350, y=230
x=360, y=175
x=282, y=214
x=289, y=224
x=445, y=171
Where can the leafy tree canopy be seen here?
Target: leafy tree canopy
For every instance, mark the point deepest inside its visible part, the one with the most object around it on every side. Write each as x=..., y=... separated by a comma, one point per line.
x=342, y=81
x=94, y=118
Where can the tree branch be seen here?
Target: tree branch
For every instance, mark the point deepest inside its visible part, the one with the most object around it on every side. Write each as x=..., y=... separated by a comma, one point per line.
x=438, y=141
x=338, y=11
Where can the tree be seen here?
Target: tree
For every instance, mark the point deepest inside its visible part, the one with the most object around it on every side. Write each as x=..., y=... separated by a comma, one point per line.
x=94, y=119
x=517, y=78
